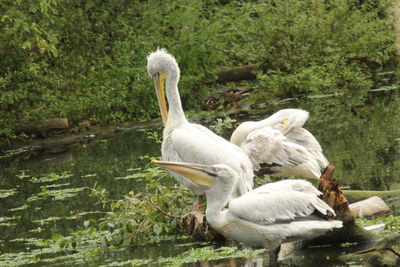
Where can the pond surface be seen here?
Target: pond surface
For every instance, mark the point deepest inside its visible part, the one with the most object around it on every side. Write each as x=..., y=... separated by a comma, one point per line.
x=47, y=190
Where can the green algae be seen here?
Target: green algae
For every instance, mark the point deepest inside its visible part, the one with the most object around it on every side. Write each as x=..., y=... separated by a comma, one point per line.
x=23, y=207
x=51, y=177
x=14, y=152
x=4, y=193
x=56, y=194
x=9, y=221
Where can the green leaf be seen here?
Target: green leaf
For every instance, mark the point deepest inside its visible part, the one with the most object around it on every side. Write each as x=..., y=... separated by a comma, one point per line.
x=157, y=229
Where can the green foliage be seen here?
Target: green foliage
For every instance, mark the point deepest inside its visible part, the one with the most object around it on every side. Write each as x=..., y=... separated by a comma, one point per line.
x=222, y=125
x=392, y=224
x=86, y=59
x=148, y=215
x=322, y=46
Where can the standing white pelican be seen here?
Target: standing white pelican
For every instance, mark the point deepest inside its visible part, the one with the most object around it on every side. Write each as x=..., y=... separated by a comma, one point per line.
x=188, y=142
x=274, y=213
x=280, y=143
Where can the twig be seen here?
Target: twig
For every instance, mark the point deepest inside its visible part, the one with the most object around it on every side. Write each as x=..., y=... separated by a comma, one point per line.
x=160, y=210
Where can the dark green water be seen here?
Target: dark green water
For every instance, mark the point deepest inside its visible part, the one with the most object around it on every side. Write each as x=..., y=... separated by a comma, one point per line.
x=361, y=137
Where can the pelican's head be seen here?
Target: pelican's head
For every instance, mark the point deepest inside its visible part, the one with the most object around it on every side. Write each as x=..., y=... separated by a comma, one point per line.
x=160, y=61
x=219, y=181
x=161, y=64
x=206, y=175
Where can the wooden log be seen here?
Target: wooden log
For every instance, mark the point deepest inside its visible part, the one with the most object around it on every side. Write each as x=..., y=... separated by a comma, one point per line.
x=334, y=197
x=42, y=127
x=357, y=195
x=195, y=225
x=368, y=207
x=239, y=73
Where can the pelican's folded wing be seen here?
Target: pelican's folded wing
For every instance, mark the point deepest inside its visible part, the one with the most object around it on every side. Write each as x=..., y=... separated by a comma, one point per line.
x=270, y=146
x=270, y=207
x=288, y=185
x=306, y=139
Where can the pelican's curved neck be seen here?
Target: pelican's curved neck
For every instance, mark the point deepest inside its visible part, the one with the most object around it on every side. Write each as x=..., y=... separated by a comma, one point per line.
x=218, y=197
x=175, y=110
x=271, y=121
x=214, y=209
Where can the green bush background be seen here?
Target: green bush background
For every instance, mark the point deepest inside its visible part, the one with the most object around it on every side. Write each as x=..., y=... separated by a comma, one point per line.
x=86, y=59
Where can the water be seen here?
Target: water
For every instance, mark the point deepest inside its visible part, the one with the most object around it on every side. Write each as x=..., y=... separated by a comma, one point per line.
x=361, y=137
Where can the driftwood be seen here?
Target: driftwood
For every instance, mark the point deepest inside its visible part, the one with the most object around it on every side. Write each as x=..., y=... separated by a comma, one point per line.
x=368, y=207
x=195, y=225
x=42, y=127
x=239, y=73
x=334, y=197
x=357, y=195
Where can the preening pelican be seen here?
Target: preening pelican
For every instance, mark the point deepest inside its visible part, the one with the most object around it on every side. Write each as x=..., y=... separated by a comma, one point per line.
x=274, y=213
x=281, y=143
x=188, y=142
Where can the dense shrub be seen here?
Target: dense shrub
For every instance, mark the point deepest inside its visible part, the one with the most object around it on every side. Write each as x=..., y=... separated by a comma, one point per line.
x=86, y=59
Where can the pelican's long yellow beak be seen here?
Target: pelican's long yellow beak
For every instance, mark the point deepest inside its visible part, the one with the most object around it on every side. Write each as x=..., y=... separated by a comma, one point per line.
x=159, y=84
x=200, y=174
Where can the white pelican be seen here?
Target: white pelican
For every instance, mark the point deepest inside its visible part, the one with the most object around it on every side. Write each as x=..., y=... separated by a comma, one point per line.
x=281, y=143
x=274, y=213
x=188, y=142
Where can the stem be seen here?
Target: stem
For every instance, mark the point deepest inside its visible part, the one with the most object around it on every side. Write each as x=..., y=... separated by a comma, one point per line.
x=160, y=210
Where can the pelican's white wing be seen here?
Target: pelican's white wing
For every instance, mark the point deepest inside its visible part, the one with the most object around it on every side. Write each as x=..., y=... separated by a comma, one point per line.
x=197, y=144
x=288, y=185
x=268, y=207
x=306, y=139
x=270, y=146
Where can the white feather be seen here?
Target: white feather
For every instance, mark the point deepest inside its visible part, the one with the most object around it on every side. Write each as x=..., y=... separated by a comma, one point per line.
x=280, y=139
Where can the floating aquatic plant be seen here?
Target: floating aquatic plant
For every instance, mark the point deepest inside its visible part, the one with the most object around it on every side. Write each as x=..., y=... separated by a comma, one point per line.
x=51, y=177
x=392, y=224
x=4, y=193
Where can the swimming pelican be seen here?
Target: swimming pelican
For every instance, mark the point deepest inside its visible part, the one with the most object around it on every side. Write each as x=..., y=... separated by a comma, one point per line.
x=188, y=142
x=267, y=216
x=281, y=143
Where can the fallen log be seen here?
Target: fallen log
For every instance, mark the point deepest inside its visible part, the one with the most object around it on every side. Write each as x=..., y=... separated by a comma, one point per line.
x=368, y=207
x=43, y=127
x=334, y=197
x=357, y=195
x=195, y=225
x=239, y=73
